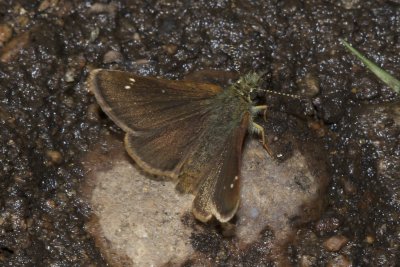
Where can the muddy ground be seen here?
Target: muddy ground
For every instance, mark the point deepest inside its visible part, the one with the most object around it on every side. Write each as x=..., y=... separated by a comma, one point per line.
x=345, y=129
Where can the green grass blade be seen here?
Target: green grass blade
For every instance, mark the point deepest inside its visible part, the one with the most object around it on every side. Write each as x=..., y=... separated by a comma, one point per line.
x=391, y=81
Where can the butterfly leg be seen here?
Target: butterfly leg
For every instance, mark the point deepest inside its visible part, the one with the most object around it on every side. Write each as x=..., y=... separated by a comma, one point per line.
x=265, y=114
x=256, y=128
x=257, y=109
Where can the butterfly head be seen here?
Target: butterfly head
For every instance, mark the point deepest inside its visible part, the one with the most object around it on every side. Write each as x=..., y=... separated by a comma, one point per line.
x=247, y=84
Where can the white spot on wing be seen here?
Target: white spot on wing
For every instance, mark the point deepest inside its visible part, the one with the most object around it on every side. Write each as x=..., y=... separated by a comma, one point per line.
x=232, y=185
x=127, y=87
x=236, y=178
x=132, y=80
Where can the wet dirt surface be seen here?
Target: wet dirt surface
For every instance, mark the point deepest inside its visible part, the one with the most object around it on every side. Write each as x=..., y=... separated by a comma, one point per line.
x=49, y=122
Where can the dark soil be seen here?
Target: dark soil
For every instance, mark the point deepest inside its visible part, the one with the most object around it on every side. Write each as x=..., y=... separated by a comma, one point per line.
x=48, y=120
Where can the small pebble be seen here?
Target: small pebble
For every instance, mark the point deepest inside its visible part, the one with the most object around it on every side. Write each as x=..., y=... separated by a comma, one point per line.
x=339, y=261
x=335, y=243
x=19, y=180
x=170, y=49
x=311, y=85
x=136, y=37
x=350, y=4
x=54, y=156
x=5, y=33
x=22, y=11
x=112, y=57
x=45, y=4
x=70, y=75
x=110, y=8
x=317, y=127
x=94, y=34
x=307, y=261
x=13, y=47
x=370, y=239
x=50, y=203
x=22, y=21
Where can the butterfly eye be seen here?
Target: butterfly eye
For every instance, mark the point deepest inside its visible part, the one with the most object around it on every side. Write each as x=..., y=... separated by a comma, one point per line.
x=253, y=94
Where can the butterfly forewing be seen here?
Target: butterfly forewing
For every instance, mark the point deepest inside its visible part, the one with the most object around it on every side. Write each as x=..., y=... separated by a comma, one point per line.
x=139, y=104
x=162, y=119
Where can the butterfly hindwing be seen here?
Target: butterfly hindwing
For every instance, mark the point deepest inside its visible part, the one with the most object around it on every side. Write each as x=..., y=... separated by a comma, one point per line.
x=218, y=191
x=162, y=151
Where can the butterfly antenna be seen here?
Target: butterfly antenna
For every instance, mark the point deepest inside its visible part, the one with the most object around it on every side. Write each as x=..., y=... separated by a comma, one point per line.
x=280, y=93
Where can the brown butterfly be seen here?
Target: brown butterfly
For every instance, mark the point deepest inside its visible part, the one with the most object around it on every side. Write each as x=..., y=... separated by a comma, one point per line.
x=192, y=132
